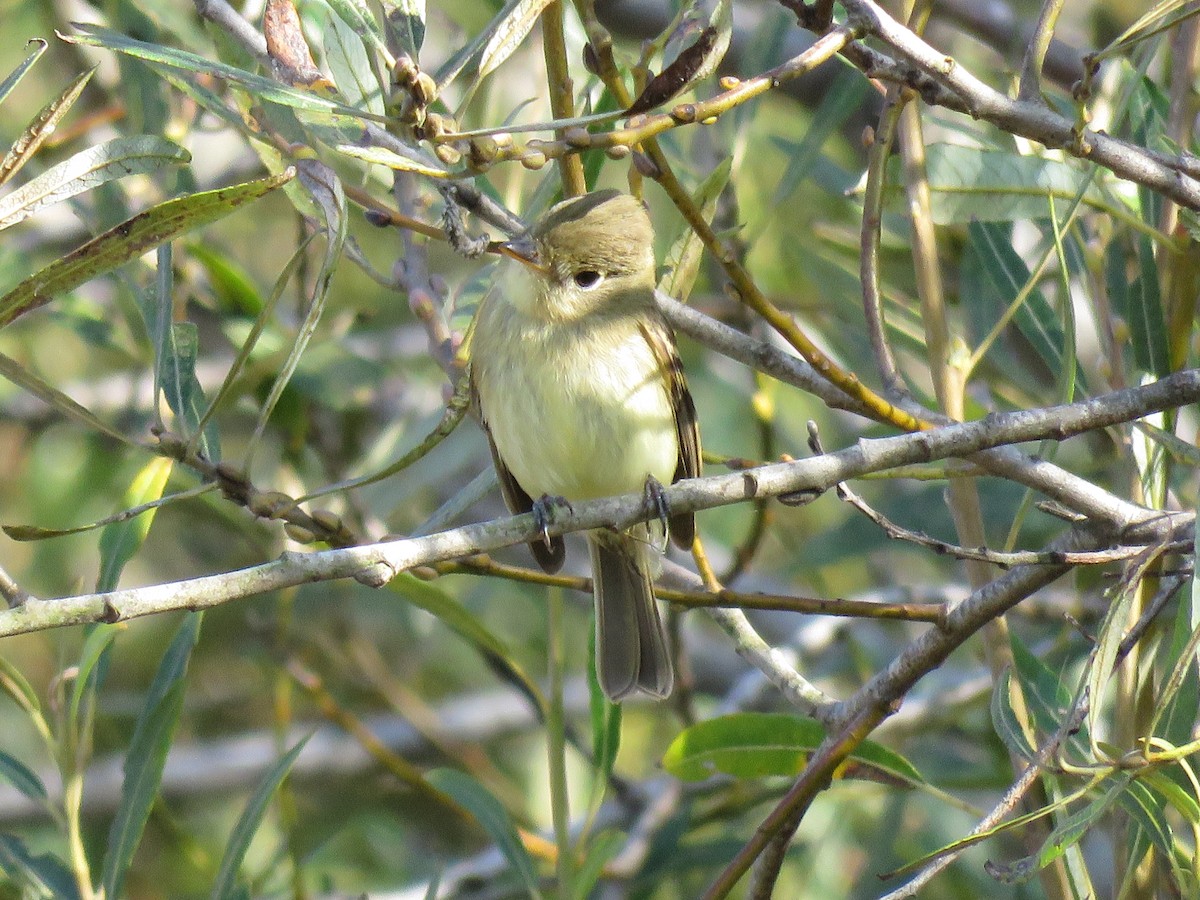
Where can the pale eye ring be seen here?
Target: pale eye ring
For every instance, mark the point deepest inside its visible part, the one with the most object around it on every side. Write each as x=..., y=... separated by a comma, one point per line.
x=587, y=279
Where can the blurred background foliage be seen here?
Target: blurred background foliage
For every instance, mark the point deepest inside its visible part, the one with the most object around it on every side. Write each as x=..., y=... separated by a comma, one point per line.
x=389, y=691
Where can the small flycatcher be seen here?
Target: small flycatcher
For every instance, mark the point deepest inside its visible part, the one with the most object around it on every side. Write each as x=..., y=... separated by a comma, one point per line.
x=582, y=395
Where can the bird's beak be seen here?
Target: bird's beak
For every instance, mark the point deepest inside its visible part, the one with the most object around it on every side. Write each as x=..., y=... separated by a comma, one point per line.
x=525, y=252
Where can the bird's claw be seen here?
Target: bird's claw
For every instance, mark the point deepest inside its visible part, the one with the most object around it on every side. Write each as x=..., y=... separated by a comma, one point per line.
x=654, y=496
x=543, y=514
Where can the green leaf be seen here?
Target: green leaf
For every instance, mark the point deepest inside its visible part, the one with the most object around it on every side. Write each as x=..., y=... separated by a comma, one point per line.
x=600, y=850
x=13, y=371
x=1009, y=275
x=1074, y=826
x=967, y=184
x=683, y=259
x=1046, y=697
x=1185, y=802
x=42, y=126
x=91, y=662
x=360, y=22
x=121, y=540
x=466, y=625
x=89, y=169
x=225, y=884
x=44, y=873
x=131, y=239
x=385, y=157
x=844, y=97
x=260, y=87
x=350, y=66
x=147, y=754
x=755, y=745
x=606, y=730
x=21, y=777
x=325, y=188
x=491, y=814
x=1147, y=326
x=405, y=22
x=1005, y=720
x=14, y=77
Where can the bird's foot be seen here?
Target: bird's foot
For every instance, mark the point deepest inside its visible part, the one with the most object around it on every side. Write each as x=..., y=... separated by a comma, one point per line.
x=543, y=514
x=654, y=500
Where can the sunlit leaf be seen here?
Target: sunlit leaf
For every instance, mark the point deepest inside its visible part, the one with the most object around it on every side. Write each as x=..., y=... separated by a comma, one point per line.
x=754, y=745
x=121, y=540
x=130, y=240
x=406, y=25
x=37, y=47
x=89, y=169
x=42, y=126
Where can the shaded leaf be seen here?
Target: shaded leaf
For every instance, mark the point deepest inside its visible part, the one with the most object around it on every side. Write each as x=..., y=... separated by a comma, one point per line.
x=225, y=884
x=683, y=259
x=21, y=777
x=130, y=240
x=147, y=754
x=968, y=184
x=1147, y=326
x=351, y=68
x=491, y=814
x=406, y=25
x=1009, y=275
x=1005, y=720
x=357, y=16
x=44, y=872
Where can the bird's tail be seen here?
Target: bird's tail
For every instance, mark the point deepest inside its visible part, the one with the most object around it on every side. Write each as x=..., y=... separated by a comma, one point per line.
x=631, y=643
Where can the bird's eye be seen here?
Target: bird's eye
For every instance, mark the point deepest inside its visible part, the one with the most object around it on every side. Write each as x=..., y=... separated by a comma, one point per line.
x=588, y=279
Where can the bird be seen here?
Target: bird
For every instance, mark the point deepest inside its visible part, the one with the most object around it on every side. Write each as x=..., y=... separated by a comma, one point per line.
x=581, y=393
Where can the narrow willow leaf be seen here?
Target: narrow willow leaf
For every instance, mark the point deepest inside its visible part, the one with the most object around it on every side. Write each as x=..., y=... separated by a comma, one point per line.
x=506, y=32
x=754, y=745
x=683, y=259
x=1046, y=697
x=41, y=127
x=13, y=371
x=44, y=873
x=494, y=43
x=468, y=626
x=358, y=17
x=405, y=23
x=88, y=670
x=147, y=754
x=1147, y=809
x=89, y=169
x=350, y=66
x=967, y=184
x=1005, y=720
x=37, y=48
x=606, y=732
x=261, y=87
x=36, y=533
x=121, y=540
x=1005, y=268
x=1147, y=326
x=491, y=814
x=225, y=884
x=21, y=777
x=325, y=188
x=1184, y=802
x=845, y=95
x=384, y=157
x=1073, y=827
x=130, y=240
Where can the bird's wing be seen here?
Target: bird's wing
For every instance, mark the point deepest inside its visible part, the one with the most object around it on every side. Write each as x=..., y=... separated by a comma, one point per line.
x=548, y=553
x=687, y=430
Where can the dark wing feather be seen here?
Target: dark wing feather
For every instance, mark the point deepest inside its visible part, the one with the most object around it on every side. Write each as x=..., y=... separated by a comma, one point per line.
x=549, y=556
x=687, y=430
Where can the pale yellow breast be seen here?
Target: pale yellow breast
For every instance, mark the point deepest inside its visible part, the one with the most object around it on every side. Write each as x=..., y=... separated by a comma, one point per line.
x=574, y=411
